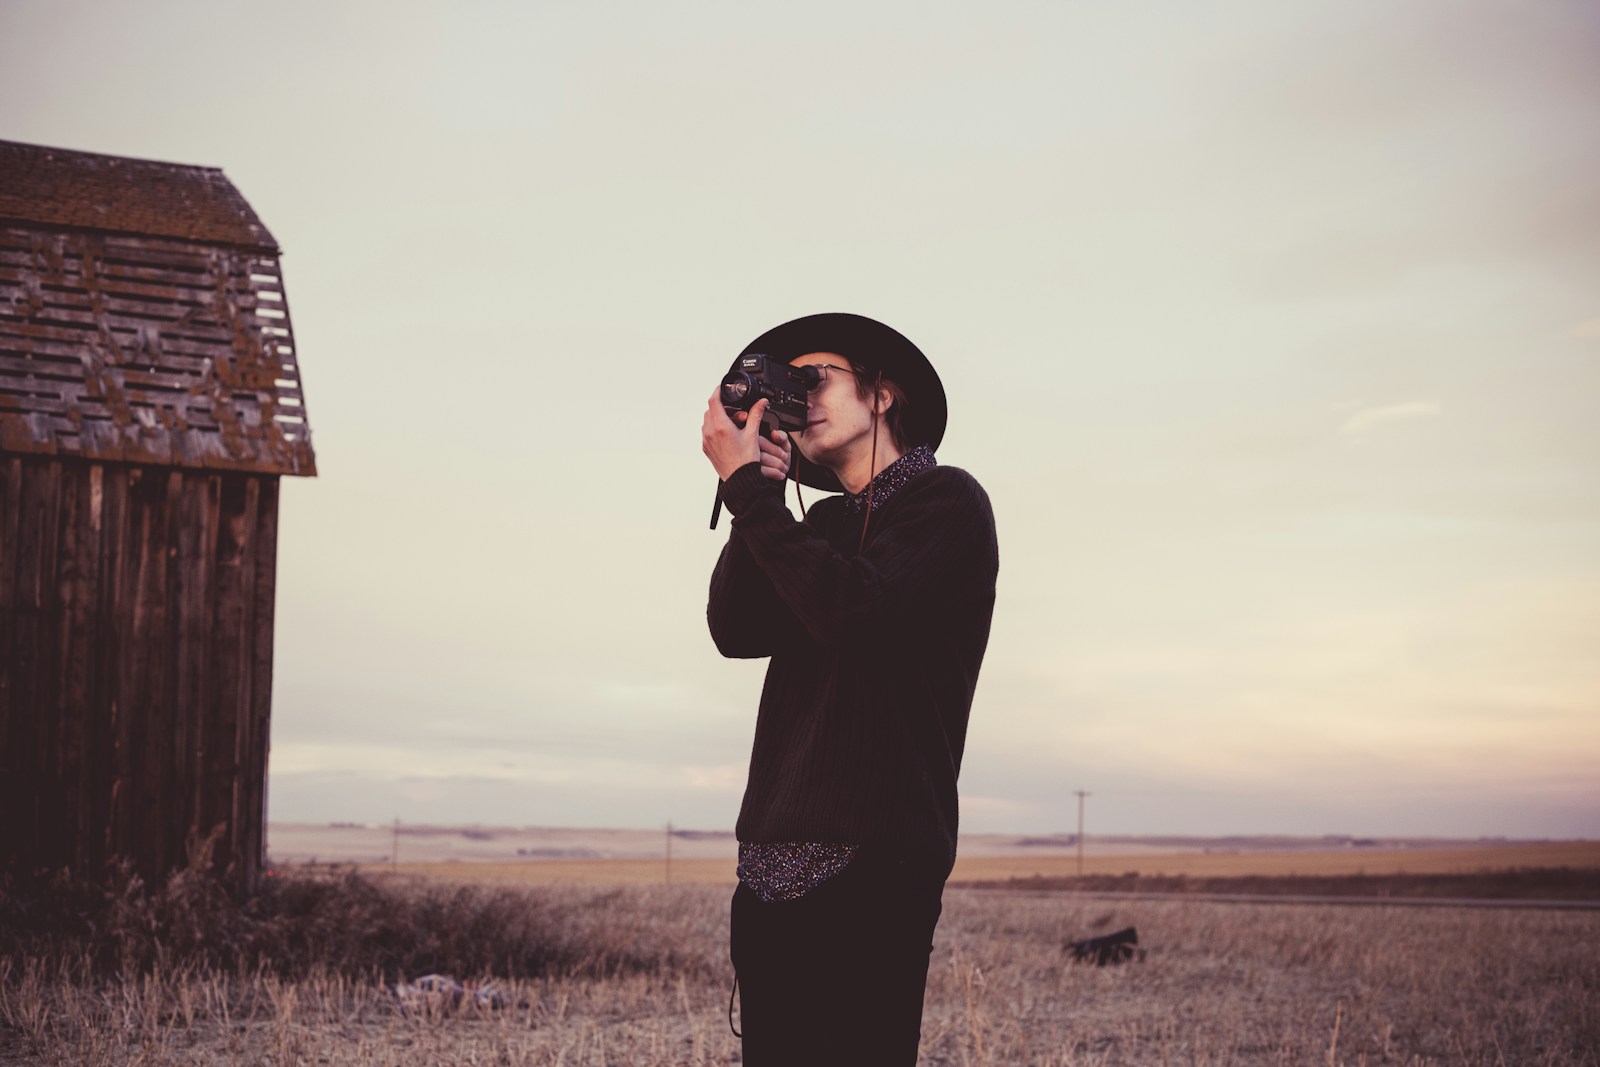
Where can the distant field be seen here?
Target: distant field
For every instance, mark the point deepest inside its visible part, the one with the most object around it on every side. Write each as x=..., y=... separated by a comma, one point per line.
x=1584, y=854
x=569, y=872
x=416, y=843
x=719, y=871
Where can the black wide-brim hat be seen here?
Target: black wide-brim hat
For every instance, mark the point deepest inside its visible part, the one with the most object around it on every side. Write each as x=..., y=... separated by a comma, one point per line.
x=876, y=347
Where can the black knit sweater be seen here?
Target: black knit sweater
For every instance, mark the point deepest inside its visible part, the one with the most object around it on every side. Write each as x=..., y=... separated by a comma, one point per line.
x=875, y=657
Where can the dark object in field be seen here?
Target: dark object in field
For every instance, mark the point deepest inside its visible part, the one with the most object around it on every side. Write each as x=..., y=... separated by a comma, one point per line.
x=1110, y=948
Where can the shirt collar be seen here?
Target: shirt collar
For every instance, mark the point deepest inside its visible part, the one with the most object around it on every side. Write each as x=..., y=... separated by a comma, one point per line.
x=891, y=479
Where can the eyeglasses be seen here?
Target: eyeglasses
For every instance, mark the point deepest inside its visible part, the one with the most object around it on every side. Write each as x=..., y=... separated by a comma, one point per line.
x=822, y=377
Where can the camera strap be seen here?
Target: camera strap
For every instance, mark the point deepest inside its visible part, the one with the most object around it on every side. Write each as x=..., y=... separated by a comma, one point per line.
x=716, y=505
x=872, y=462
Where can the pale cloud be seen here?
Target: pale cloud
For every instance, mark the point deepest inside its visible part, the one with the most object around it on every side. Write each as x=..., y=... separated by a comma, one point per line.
x=1358, y=423
x=652, y=695
x=403, y=758
x=1003, y=810
x=726, y=777
x=1588, y=330
x=1460, y=684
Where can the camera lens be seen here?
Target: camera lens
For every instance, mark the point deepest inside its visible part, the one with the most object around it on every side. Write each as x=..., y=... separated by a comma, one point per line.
x=736, y=389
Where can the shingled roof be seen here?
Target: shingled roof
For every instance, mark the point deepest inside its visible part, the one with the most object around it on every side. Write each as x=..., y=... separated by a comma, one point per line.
x=88, y=191
x=142, y=317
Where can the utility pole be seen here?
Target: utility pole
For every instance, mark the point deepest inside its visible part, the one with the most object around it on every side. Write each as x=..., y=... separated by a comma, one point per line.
x=669, y=851
x=1081, y=795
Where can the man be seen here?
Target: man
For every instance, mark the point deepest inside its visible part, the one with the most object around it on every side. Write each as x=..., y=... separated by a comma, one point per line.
x=875, y=612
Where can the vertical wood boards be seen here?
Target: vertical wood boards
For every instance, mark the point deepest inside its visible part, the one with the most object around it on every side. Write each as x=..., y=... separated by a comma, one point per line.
x=252, y=798
x=136, y=612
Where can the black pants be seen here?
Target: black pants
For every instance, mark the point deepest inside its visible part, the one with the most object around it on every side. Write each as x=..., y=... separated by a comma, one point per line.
x=836, y=977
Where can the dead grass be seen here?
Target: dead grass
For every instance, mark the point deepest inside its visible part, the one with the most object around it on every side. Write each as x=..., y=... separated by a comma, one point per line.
x=1220, y=984
x=341, y=923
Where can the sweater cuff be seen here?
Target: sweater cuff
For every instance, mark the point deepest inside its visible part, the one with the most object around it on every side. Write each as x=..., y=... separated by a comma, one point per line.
x=747, y=485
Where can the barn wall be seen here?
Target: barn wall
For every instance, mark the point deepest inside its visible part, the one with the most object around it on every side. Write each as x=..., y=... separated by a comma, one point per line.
x=136, y=609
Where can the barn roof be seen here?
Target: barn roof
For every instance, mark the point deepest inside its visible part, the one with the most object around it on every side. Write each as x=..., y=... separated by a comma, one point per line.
x=143, y=318
x=88, y=191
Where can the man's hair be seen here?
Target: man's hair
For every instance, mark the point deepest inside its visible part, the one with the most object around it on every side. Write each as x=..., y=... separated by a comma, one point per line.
x=894, y=418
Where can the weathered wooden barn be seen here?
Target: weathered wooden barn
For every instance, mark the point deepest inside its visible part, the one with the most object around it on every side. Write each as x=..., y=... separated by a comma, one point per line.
x=150, y=402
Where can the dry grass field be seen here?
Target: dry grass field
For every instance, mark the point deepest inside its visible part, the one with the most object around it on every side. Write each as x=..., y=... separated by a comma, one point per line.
x=637, y=975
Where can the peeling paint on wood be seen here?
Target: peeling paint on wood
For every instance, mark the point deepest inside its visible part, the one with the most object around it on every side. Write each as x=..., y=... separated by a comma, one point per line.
x=186, y=373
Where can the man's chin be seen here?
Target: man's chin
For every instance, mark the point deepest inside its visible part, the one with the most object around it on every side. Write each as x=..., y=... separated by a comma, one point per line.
x=810, y=445
x=814, y=454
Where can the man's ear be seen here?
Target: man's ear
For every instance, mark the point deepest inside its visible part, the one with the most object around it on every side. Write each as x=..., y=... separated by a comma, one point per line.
x=885, y=398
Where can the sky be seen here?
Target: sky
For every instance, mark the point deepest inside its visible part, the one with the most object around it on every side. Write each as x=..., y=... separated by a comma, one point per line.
x=1272, y=330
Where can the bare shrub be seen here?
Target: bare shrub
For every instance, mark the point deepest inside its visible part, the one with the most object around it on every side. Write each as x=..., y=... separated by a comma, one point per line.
x=341, y=923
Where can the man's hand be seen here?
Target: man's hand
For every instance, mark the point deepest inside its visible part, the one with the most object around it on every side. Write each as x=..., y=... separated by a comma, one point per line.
x=775, y=455
x=730, y=444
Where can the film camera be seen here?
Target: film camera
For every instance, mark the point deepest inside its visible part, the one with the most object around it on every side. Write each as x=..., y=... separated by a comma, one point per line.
x=755, y=376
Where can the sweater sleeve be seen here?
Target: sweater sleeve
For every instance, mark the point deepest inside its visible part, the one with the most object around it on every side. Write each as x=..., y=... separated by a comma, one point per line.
x=935, y=540
x=746, y=619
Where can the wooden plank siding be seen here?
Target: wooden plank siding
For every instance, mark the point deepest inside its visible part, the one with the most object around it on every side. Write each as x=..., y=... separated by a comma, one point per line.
x=136, y=610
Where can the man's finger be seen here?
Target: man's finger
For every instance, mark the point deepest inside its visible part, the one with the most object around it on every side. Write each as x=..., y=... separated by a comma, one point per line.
x=759, y=409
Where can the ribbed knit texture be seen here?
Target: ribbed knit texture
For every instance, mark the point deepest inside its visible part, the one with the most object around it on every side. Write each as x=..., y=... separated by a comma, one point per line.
x=875, y=657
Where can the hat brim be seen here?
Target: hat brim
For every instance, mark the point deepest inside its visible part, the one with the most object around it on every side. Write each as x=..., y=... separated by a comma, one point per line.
x=875, y=346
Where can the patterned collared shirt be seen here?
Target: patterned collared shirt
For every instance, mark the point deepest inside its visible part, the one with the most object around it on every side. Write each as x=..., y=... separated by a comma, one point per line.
x=891, y=480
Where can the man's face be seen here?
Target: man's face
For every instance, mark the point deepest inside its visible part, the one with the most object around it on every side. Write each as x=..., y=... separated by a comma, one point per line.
x=838, y=418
